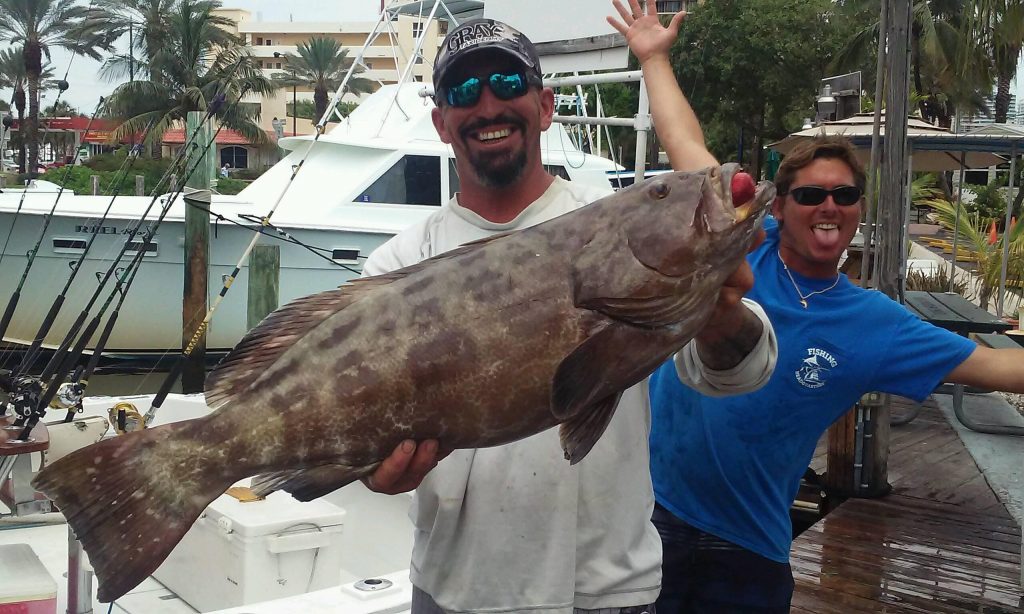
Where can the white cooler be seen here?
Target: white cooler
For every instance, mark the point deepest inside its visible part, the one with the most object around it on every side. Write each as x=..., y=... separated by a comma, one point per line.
x=240, y=553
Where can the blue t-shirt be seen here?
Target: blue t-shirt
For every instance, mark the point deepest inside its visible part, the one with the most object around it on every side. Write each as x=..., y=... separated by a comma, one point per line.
x=732, y=466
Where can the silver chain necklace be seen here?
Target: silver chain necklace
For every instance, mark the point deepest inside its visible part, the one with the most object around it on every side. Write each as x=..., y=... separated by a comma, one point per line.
x=803, y=297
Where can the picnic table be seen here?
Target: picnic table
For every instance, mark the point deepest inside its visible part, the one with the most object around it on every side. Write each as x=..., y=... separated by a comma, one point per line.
x=955, y=313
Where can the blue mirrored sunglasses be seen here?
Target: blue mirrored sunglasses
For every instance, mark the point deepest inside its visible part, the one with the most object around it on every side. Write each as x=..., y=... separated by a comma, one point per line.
x=505, y=86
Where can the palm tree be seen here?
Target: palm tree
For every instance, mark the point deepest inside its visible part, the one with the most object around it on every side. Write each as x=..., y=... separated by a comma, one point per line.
x=147, y=24
x=950, y=69
x=999, y=25
x=38, y=25
x=12, y=75
x=321, y=65
x=199, y=61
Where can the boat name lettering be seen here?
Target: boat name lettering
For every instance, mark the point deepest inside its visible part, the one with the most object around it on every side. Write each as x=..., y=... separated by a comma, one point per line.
x=100, y=230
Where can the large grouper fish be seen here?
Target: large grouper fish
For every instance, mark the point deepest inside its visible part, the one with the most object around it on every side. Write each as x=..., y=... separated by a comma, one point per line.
x=486, y=344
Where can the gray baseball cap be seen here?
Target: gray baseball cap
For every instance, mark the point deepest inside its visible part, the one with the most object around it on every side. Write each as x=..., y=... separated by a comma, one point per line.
x=484, y=34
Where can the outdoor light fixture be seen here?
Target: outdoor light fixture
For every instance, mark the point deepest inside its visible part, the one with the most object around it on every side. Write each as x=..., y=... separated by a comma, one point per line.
x=826, y=103
x=807, y=124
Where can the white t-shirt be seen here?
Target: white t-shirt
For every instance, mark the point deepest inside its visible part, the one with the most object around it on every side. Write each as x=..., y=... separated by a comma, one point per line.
x=515, y=528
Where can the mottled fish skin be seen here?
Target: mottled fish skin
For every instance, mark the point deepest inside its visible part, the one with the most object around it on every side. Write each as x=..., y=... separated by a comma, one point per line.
x=487, y=344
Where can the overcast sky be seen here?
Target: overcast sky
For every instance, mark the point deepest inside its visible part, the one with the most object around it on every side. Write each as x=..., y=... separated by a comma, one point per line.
x=87, y=86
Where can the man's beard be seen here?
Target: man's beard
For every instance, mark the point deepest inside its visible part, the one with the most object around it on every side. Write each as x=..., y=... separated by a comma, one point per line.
x=495, y=170
x=499, y=173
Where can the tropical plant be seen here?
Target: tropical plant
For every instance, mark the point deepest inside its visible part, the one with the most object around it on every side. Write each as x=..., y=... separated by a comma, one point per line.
x=38, y=25
x=321, y=65
x=752, y=69
x=145, y=22
x=199, y=62
x=936, y=282
x=998, y=25
x=61, y=108
x=12, y=75
x=973, y=235
x=307, y=110
x=949, y=67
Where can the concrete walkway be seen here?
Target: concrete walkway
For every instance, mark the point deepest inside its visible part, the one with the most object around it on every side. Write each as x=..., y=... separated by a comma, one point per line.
x=1000, y=457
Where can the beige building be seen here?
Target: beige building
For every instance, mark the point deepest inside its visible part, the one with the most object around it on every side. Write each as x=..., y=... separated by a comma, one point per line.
x=272, y=42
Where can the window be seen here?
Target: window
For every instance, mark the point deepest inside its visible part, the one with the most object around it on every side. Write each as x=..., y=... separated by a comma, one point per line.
x=259, y=40
x=557, y=170
x=77, y=246
x=414, y=180
x=260, y=63
x=417, y=29
x=419, y=58
x=368, y=65
x=278, y=65
x=268, y=42
x=237, y=157
x=345, y=255
x=417, y=77
x=670, y=6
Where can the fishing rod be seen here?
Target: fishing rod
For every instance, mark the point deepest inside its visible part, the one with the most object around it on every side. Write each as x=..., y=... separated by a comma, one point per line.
x=35, y=394
x=30, y=356
x=128, y=244
x=54, y=385
x=12, y=304
x=186, y=352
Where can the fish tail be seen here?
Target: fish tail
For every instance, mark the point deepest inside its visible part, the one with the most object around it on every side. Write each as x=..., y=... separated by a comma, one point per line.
x=124, y=505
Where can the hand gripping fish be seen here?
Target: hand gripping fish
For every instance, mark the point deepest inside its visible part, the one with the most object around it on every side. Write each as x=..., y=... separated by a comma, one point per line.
x=489, y=343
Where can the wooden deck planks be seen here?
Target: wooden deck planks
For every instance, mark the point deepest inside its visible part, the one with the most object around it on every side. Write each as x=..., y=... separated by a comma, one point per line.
x=942, y=542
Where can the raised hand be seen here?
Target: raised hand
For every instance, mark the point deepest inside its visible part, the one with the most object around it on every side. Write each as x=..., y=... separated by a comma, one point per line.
x=644, y=33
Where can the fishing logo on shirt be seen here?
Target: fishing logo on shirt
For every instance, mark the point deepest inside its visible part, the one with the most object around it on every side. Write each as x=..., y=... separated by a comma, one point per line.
x=815, y=369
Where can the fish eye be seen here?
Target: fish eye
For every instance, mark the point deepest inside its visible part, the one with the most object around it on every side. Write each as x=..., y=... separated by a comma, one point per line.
x=659, y=190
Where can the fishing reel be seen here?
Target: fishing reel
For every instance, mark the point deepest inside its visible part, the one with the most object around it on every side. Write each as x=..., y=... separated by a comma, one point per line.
x=25, y=398
x=125, y=418
x=69, y=396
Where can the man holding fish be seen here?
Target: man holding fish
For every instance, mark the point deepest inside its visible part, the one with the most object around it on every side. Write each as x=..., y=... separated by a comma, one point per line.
x=481, y=339
x=725, y=524
x=515, y=528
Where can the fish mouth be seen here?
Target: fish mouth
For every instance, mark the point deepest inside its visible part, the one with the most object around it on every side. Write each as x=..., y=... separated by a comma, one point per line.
x=724, y=213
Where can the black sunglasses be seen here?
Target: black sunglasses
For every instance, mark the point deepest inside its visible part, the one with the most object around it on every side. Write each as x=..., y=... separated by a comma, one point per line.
x=505, y=86
x=812, y=195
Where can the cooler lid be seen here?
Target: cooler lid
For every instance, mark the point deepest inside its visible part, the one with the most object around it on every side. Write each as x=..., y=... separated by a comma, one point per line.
x=24, y=576
x=279, y=512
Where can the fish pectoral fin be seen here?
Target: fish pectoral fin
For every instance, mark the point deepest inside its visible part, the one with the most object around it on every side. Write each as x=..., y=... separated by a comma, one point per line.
x=581, y=432
x=311, y=482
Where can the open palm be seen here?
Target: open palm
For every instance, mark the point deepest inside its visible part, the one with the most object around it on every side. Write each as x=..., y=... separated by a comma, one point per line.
x=644, y=33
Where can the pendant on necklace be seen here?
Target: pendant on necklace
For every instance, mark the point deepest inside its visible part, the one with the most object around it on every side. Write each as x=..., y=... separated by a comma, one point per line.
x=804, y=303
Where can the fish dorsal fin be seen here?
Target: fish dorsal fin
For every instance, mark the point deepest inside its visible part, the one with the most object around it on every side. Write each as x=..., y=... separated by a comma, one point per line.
x=265, y=343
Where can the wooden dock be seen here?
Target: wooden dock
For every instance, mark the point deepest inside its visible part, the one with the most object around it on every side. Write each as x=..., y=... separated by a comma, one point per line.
x=941, y=542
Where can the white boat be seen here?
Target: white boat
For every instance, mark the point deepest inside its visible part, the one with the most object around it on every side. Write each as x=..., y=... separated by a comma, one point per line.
x=372, y=175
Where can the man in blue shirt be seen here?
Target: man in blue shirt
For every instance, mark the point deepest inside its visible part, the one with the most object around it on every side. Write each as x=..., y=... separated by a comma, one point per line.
x=726, y=470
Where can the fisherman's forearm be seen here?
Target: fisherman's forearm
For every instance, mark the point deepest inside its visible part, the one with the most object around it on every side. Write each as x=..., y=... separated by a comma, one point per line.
x=730, y=339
